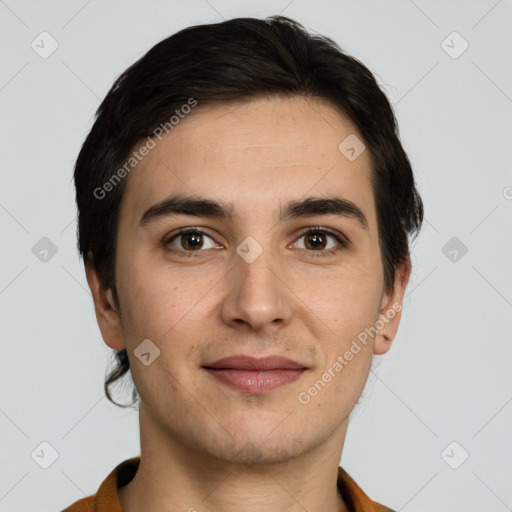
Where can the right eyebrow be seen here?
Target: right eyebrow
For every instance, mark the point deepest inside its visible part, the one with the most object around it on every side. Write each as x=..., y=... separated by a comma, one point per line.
x=187, y=205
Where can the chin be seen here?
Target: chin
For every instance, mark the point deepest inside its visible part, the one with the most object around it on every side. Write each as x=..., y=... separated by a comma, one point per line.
x=258, y=449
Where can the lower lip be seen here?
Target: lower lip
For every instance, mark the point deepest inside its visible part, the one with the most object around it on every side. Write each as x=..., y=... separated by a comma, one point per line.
x=254, y=381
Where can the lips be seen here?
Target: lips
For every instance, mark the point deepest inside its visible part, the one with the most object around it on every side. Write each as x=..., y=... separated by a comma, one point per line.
x=253, y=363
x=255, y=375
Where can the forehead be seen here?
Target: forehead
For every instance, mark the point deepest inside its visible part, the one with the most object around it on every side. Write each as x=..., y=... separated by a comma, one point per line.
x=253, y=154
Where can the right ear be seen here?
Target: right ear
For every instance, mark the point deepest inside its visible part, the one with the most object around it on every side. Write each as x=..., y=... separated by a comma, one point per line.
x=107, y=316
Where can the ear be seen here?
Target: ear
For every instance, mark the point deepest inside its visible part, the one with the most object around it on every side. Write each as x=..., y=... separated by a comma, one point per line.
x=107, y=316
x=391, y=309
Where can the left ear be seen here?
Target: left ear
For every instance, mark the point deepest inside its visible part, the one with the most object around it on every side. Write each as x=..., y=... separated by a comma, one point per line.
x=391, y=309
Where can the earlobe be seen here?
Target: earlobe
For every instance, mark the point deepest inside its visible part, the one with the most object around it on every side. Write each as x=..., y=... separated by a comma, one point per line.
x=382, y=343
x=107, y=316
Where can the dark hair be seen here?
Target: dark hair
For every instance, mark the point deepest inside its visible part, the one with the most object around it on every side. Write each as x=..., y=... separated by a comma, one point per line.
x=237, y=60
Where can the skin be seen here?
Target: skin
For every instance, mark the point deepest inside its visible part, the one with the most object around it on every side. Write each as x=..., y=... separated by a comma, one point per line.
x=203, y=444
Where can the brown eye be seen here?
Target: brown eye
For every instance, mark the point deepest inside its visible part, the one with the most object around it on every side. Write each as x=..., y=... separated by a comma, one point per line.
x=189, y=240
x=317, y=241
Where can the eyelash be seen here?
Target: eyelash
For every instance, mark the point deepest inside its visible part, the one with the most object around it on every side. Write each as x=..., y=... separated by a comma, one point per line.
x=344, y=243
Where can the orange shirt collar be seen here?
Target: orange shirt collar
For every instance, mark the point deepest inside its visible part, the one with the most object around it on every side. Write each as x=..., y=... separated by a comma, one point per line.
x=106, y=499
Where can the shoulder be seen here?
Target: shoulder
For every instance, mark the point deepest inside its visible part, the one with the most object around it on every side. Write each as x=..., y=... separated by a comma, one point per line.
x=107, y=499
x=382, y=508
x=83, y=505
x=355, y=498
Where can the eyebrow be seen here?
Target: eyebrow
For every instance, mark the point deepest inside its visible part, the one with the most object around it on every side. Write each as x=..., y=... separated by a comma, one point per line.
x=203, y=207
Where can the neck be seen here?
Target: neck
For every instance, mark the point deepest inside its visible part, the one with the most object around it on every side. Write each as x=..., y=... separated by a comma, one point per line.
x=173, y=477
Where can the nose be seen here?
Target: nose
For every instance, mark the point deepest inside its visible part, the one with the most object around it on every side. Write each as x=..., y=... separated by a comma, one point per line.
x=257, y=294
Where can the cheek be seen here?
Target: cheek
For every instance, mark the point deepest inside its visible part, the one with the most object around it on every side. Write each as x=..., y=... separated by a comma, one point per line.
x=347, y=303
x=157, y=307
x=151, y=301
x=163, y=319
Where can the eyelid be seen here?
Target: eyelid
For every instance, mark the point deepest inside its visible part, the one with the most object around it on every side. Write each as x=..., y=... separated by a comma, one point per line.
x=333, y=232
x=168, y=238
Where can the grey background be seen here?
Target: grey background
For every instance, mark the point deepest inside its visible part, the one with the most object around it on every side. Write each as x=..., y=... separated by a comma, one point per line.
x=447, y=377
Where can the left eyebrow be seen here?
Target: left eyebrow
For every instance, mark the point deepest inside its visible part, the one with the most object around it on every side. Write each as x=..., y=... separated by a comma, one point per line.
x=203, y=207
x=324, y=206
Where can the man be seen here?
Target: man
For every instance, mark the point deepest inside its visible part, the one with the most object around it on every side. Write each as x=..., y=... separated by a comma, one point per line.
x=244, y=211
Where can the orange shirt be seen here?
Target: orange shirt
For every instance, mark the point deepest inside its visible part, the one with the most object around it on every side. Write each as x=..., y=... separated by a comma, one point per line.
x=106, y=499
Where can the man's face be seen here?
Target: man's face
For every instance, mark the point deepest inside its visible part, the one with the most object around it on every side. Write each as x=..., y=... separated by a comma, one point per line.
x=203, y=295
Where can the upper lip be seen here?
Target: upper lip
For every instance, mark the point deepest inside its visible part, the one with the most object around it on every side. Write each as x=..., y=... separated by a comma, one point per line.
x=242, y=362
